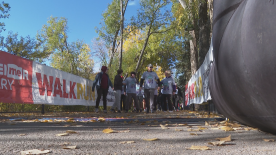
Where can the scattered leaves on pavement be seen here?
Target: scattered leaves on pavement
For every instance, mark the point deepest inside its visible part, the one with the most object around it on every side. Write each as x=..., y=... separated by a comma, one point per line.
x=199, y=148
x=22, y=135
x=182, y=124
x=163, y=126
x=269, y=140
x=127, y=142
x=35, y=151
x=227, y=128
x=100, y=119
x=70, y=147
x=109, y=131
x=153, y=139
x=219, y=143
x=63, y=134
x=178, y=129
x=71, y=131
x=226, y=139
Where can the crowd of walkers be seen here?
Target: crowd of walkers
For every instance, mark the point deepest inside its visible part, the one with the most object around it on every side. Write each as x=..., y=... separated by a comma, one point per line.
x=148, y=95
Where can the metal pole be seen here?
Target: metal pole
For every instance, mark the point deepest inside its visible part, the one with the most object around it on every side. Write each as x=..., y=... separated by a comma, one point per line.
x=42, y=109
x=209, y=106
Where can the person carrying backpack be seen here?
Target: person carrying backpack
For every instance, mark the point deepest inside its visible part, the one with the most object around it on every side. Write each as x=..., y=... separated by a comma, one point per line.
x=102, y=83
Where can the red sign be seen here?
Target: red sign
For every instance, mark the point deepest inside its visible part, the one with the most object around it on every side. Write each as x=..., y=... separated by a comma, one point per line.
x=15, y=79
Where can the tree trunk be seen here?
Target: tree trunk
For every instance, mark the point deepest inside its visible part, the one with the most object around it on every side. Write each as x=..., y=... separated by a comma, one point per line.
x=143, y=49
x=113, y=48
x=193, y=42
x=194, y=54
x=210, y=8
x=122, y=30
x=123, y=10
x=204, y=31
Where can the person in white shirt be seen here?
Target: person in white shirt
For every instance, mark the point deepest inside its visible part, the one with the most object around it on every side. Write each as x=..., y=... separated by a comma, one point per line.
x=149, y=77
x=168, y=90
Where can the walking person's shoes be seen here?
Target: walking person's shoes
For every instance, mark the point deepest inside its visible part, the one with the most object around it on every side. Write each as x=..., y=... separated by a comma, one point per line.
x=112, y=110
x=96, y=110
x=119, y=111
x=105, y=111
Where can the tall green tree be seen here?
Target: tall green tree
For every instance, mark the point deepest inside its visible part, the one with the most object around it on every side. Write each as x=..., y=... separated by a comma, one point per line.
x=110, y=26
x=153, y=17
x=25, y=47
x=4, y=9
x=74, y=57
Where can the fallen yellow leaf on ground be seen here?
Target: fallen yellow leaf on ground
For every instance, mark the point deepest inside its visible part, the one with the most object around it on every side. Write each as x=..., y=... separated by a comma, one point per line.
x=269, y=140
x=206, y=123
x=193, y=134
x=199, y=148
x=153, y=139
x=182, y=124
x=93, y=120
x=236, y=125
x=247, y=129
x=35, y=151
x=196, y=130
x=163, y=126
x=108, y=131
x=71, y=131
x=63, y=134
x=70, y=147
x=127, y=142
x=101, y=119
x=226, y=139
x=217, y=143
x=201, y=128
x=227, y=128
x=178, y=130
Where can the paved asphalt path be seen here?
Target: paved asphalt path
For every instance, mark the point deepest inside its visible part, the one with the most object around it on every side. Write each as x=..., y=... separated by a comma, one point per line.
x=18, y=135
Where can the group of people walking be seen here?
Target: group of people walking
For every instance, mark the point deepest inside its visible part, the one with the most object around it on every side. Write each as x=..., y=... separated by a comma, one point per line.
x=126, y=91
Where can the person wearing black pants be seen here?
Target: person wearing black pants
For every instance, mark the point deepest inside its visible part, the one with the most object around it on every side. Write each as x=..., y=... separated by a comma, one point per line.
x=168, y=90
x=123, y=99
x=167, y=99
x=101, y=92
x=102, y=84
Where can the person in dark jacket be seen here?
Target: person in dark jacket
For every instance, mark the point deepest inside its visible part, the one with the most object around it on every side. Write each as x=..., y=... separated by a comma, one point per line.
x=102, y=83
x=176, y=97
x=118, y=83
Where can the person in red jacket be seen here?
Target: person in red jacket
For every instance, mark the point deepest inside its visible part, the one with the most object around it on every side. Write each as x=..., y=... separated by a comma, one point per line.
x=102, y=83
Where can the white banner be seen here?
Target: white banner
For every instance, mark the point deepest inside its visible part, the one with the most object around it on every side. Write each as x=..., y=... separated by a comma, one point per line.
x=52, y=86
x=198, y=90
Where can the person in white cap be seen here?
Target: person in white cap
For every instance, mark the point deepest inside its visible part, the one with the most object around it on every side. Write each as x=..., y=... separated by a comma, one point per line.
x=149, y=79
